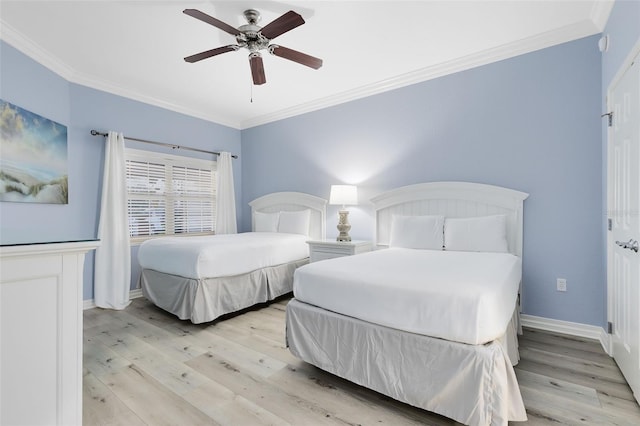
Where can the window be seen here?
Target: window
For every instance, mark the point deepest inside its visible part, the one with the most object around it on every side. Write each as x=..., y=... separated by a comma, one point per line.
x=169, y=194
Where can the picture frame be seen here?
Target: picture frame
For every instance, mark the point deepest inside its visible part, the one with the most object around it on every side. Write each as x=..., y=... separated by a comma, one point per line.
x=33, y=157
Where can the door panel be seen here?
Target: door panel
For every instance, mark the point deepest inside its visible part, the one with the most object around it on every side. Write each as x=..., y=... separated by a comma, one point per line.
x=623, y=195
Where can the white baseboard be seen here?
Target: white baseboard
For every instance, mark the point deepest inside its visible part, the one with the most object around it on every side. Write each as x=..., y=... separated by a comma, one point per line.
x=90, y=303
x=567, y=327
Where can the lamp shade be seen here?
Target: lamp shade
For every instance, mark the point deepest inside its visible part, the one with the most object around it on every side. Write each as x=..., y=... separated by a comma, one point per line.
x=343, y=194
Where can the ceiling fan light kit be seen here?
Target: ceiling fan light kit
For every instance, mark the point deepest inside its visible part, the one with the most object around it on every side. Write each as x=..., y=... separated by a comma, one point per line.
x=255, y=38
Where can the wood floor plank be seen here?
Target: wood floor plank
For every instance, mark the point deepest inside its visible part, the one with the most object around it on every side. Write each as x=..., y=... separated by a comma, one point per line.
x=250, y=360
x=276, y=350
x=102, y=407
x=98, y=359
x=146, y=311
x=322, y=388
x=174, y=375
x=277, y=307
x=145, y=366
x=557, y=340
x=292, y=407
x=228, y=327
x=153, y=402
x=284, y=301
x=180, y=347
x=571, y=352
x=155, y=362
x=608, y=373
x=95, y=317
x=230, y=409
x=123, y=343
x=569, y=411
x=558, y=388
x=618, y=406
x=619, y=390
x=259, y=325
x=536, y=419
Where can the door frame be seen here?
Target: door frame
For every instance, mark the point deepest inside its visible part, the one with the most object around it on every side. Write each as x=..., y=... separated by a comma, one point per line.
x=635, y=50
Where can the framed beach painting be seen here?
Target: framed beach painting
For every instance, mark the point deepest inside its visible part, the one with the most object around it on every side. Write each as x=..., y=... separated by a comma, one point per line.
x=33, y=157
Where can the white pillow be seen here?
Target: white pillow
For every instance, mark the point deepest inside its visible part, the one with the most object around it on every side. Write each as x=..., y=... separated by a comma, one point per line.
x=485, y=233
x=295, y=222
x=417, y=232
x=265, y=222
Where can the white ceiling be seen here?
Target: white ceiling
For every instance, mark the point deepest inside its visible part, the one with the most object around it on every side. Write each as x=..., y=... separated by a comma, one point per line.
x=136, y=48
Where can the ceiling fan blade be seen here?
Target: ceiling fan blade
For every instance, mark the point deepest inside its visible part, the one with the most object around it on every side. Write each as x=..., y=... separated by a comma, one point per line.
x=213, y=52
x=281, y=25
x=257, y=69
x=211, y=20
x=295, y=56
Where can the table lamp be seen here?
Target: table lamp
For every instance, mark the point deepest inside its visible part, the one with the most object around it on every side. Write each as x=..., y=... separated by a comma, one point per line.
x=343, y=195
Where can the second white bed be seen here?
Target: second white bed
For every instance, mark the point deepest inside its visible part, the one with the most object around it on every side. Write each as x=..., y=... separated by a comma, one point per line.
x=459, y=296
x=434, y=329
x=201, y=278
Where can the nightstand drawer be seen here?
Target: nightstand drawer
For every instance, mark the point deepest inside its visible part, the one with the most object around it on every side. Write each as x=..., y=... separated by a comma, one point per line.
x=324, y=255
x=326, y=249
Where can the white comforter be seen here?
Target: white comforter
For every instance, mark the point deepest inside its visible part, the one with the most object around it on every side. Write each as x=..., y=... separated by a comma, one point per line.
x=465, y=297
x=221, y=255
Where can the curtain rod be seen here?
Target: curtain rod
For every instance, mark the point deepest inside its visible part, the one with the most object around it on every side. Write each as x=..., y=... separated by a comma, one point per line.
x=172, y=146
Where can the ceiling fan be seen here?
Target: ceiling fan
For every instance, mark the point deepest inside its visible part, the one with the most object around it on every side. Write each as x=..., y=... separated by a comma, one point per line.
x=255, y=38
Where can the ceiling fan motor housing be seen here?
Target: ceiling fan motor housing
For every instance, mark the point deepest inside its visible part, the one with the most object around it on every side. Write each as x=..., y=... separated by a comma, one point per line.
x=250, y=36
x=252, y=15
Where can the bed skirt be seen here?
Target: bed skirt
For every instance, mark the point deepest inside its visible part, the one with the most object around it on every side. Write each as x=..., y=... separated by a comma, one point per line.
x=205, y=299
x=472, y=384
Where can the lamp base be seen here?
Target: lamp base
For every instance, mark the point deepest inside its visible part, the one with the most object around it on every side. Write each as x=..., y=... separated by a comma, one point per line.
x=343, y=226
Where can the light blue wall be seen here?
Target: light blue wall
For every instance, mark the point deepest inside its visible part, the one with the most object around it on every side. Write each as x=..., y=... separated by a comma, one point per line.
x=530, y=123
x=33, y=87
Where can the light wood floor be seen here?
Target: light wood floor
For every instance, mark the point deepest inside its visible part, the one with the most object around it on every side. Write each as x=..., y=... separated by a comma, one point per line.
x=144, y=366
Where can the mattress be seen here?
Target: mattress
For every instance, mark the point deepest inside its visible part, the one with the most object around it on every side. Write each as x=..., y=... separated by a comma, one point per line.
x=466, y=297
x=221, y=255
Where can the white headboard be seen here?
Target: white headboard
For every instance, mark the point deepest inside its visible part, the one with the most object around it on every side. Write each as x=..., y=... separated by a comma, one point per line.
x=451, y=199
x=294, y=201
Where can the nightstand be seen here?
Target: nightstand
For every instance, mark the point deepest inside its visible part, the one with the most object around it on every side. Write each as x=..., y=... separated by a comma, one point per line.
x=328, y=249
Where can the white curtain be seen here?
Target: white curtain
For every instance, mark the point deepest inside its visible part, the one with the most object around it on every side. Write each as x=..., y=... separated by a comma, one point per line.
x=225, y=197
x=112, y=275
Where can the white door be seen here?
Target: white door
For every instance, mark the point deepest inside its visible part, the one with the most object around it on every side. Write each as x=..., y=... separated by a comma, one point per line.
x=623, y=197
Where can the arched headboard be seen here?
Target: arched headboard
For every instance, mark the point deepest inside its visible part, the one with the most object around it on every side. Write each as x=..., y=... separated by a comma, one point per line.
x=294, y=201
x=452, y=199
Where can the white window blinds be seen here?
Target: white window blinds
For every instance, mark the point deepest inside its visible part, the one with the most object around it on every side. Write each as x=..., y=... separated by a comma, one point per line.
x=169, y=194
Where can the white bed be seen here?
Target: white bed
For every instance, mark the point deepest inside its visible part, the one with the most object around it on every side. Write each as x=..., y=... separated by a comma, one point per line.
x=435, y=329
x=200, y=278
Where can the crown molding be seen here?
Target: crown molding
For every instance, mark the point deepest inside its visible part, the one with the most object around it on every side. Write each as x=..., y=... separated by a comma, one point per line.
x=563, y=35
x=44, y=58
x=600, y=13
x=34, y=51
x=587, y=27
x=151, y=100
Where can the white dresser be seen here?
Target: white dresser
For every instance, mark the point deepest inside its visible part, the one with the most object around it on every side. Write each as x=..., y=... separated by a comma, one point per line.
x=329, y=249
x=41, y=333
